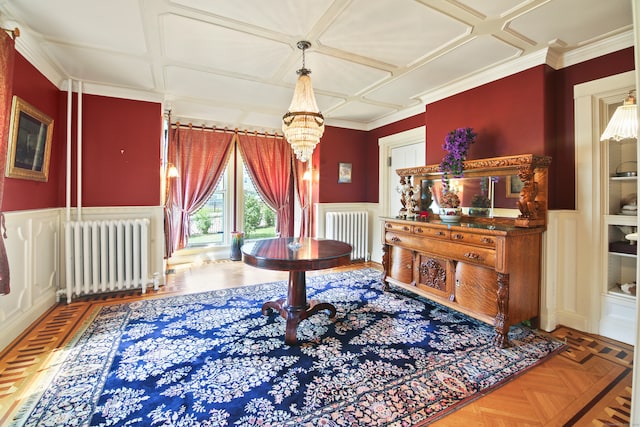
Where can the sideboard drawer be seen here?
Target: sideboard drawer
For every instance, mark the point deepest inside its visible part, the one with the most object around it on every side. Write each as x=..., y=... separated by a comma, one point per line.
x=474, y=239
x=405, y=240
x=438, y=233
x=465, y=253
x=397, y=227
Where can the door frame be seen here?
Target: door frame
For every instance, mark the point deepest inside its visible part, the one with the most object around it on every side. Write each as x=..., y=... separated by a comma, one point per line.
x=385, y=145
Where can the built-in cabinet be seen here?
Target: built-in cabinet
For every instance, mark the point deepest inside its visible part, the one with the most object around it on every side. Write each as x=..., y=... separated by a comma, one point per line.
x=619, y=221
x=487, y=266
x=620, y=217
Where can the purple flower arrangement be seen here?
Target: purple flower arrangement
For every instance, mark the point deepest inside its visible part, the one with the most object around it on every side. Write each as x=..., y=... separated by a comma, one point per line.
x=456, y=144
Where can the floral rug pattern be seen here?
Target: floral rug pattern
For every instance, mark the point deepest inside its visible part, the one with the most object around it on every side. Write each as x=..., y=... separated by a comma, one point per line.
x=212, y=359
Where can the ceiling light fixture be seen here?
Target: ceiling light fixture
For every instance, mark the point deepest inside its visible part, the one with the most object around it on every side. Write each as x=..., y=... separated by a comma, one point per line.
x=624, y=123
x=303, y=124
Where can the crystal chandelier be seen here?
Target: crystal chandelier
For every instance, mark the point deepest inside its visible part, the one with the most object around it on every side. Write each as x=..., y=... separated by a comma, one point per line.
x=624, y=123
x=303, y=124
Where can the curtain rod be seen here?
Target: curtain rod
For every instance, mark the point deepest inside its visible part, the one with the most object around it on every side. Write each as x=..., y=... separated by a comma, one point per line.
x=224, y=130
x=15, y=33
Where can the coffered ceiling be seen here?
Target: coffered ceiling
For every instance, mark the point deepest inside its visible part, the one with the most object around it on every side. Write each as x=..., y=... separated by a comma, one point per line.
x=233, y=62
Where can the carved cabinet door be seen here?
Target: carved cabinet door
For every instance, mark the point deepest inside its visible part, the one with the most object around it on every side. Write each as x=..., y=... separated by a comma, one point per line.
x=401, y=264
x=476, y=288
x=434, y=275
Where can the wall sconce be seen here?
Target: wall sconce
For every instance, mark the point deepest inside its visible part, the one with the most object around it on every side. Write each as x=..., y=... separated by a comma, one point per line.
x=172, y=171
x=624, y=122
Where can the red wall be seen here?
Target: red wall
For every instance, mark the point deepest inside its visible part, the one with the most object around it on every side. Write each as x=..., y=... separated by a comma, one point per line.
x=121, y=148
x=21, y=194
x=340, y=145
x=529, y=112
x=360, y=148
x=561, y=144
x=508, y=116
x=121, y=155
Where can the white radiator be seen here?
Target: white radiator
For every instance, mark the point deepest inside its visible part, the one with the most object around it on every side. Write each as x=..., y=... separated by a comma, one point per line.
x=352, y=228
x=106, y=256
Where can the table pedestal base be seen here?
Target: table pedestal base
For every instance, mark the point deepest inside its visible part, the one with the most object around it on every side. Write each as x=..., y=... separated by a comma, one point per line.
x=295, y=307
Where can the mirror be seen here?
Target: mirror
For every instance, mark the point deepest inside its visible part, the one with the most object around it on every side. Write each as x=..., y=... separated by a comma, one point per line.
x=479, y=196
x=493, y=182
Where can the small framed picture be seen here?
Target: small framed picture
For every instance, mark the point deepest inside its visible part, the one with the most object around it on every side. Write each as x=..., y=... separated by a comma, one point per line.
x=30, y=136
x=514, y=186
x=344, y=173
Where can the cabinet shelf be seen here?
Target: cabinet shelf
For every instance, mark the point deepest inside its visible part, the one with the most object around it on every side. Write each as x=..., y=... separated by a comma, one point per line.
x=619, y=219
x=623, y=178
x=618, y=292
x=622, y=254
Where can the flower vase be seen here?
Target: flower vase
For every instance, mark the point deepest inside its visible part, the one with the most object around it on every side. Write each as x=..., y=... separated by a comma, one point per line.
x=450, y=214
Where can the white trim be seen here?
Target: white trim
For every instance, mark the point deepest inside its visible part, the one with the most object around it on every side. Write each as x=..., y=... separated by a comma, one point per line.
x=594, y=50
x=635, y=392
x=591, y=100
x=386, y=144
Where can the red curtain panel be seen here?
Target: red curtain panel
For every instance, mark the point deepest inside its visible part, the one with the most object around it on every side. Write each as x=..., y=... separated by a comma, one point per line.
x=7, y=57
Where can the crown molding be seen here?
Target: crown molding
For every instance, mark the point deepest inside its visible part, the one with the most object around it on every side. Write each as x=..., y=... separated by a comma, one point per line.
x=120, y=92
x=397, y=116
x=31, y=51
x=346, y=124
x=594, y=50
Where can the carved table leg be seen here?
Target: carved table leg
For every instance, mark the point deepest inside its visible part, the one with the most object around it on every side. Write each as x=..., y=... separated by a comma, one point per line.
x=295, y=307
x=501, y=323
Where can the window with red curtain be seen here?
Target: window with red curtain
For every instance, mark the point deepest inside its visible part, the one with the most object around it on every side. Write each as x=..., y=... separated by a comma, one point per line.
x=200, y=156
x=268, y=161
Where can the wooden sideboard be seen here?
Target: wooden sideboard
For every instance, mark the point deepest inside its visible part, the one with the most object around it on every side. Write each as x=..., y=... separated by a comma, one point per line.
x=486, y=267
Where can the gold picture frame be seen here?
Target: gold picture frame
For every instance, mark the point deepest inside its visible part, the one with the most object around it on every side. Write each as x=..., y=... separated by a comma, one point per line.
x=514, y=186
x=30, y=135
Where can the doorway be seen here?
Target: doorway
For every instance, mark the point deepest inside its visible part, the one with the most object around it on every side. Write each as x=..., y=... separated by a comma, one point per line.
x=388, y=178
x=405, y=156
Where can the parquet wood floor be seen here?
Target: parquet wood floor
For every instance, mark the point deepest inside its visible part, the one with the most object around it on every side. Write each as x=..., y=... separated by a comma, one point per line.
x=588, y=384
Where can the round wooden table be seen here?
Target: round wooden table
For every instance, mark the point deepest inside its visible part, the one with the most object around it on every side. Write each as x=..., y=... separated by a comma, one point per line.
x=296, y=256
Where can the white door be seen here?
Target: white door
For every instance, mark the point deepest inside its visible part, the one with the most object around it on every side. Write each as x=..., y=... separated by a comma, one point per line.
x=406, y=156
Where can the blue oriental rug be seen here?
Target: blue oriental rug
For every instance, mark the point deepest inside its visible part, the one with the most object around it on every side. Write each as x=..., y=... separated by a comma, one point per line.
x=212, y=359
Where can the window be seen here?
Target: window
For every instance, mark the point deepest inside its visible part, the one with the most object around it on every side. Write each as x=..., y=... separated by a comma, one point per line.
x=259, y=218
x=213, y=223
x=208, y=225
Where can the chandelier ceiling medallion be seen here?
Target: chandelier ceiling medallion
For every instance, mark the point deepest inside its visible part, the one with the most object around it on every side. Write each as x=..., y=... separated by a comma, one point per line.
x=303, y=124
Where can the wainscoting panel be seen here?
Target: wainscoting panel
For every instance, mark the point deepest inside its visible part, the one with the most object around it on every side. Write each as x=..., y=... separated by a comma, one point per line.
x=33, y=251
x=563, y=299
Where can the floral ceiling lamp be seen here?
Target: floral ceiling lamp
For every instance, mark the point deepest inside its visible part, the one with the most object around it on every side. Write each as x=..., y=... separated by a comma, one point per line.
x=303, y=124
x=623, y=126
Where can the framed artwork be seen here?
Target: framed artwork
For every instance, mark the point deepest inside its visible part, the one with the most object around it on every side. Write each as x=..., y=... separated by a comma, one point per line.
x=30, y=134
x=344, y=173
x=514, y=186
